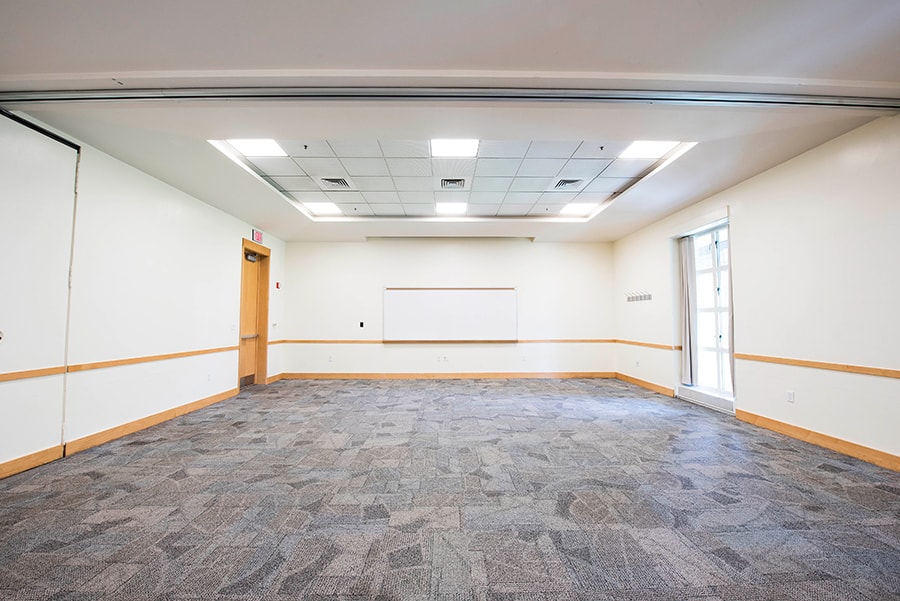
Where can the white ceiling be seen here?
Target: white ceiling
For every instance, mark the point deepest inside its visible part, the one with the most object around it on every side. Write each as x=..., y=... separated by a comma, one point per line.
x=795, y=47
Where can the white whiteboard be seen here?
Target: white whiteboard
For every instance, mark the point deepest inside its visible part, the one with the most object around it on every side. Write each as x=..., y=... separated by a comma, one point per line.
x=450, y=315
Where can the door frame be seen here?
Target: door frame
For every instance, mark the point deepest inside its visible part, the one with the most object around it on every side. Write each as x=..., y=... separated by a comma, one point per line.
x=262, y=310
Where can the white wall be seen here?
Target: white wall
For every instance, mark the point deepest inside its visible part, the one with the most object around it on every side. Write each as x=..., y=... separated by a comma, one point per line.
x=37, y=195
x=814, y=249
x=154, y=271
x=563, y=292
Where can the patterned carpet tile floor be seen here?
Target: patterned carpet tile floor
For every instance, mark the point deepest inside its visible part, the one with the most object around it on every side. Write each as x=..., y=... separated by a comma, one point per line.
x=494, y=490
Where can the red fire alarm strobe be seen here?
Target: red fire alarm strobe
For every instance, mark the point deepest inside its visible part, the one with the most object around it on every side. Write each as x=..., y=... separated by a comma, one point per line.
x=278, y=285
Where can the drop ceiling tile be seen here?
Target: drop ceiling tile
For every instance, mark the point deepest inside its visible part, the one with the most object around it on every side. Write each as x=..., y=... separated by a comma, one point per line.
x=453, y=167
x=419, y=209
x=545, y=209
x=381, y=197
x=582, y=168
x=486, y=197
x=414, y=184
x=502, y=148
x=510, y=209
x=345, y=197
x=491, y=184
x=456, y=196
x=319, y=167
x=276, y=166
x=310, y=197
x=356, y=148
x=600, y=149
x=370, y=167
x=607, y=184
x=388, y=210
x=519, y=198
x=540, y=167
x=417, y=197
x=356, y=210
x=530, y=184
x=497, y=167
x=628, y=167
x=374, y=183
x=306, y=148
x=557, y=197
x=295, y=183
x=552, y=150
x=597, y=197
x=409, y=167
x=405, y=148
x=474, y=210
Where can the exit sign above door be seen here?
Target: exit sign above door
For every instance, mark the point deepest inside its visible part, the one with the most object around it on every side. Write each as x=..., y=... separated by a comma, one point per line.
x=257, y=236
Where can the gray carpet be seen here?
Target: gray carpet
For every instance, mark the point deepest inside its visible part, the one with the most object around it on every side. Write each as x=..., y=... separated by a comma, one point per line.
x=452, y=490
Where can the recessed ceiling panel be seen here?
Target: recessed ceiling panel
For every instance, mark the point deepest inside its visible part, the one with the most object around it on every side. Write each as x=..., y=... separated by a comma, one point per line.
x=486, y=197
x=374, y=183
x=381, y=197
x=306, y=148
x=388, y=210
x=405, y=148
x=423, y=197
x=600, y=149
x=275, y=166
x=491, y=184
x=583, y=168
x=419, y=210
x=409, y=167
x=530, y=184
x=528, y=198
x=295, y=183
x=607, y=184
x=356, y=210
x=481, y=210
x=453, y=168
x=322, y=167
x=502, y=149
x=356, y=148
x=345, y=197
x=540, y=167
x=551, y=150
x=546, y=209
x=497, y=167
x=413, y=184
x=510, y=209
x=365, y=166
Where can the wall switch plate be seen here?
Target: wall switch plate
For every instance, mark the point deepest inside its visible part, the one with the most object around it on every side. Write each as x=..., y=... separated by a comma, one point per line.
x=790, y=396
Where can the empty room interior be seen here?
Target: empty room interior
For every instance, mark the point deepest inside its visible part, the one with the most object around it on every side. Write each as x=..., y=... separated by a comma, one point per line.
x=514, y=300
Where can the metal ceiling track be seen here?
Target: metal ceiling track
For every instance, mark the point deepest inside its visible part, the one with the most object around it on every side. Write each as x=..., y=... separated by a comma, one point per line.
x=661, y=97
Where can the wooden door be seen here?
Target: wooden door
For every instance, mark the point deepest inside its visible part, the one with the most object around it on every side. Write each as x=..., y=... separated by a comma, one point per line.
x=254, y=314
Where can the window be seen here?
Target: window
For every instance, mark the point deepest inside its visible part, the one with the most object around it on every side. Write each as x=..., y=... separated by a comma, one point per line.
x=713, y=310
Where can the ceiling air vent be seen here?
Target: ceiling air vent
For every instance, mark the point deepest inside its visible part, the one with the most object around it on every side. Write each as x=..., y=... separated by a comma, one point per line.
x=453, y=184
x=568, y=184
x=335, y=183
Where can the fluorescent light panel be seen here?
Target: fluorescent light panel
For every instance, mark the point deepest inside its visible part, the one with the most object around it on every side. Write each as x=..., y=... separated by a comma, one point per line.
x=578, y=209
x=647, y=149
x=450, y=208
x=454, y=148
x=323, y=208
x=258, y=148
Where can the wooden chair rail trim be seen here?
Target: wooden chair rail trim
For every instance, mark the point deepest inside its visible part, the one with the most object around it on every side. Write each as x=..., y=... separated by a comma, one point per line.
x=32, y=373
x=147, y=359
x=880, y=458
x=853, y=369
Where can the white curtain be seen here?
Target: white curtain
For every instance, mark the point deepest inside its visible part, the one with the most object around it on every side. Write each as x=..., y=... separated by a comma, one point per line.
x=688, y=313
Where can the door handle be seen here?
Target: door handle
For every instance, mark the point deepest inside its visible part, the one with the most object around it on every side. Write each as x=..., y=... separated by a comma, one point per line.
x=249, y=336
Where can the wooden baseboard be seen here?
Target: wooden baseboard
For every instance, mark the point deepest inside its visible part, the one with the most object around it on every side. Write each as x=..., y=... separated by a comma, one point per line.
x=880, y=458
x=92, y=440
x=21, y=464
x=447, y=376
x=274, y=378
x=645, y=384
